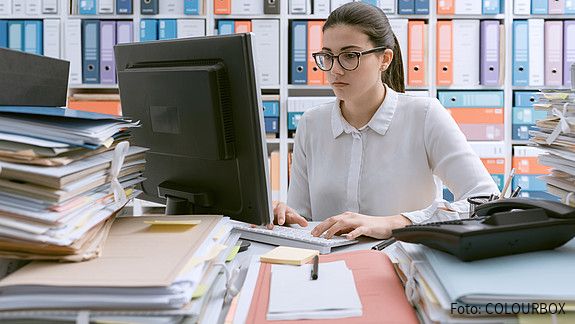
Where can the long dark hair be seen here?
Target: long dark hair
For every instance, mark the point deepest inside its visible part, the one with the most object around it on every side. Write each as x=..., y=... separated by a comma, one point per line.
x=373, y=22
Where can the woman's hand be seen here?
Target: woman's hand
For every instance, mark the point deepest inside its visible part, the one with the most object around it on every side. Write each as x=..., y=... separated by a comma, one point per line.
x=285, y=215
x=354, y=225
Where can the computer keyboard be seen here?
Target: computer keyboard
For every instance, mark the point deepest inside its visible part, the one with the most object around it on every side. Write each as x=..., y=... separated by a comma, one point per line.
x=289, y=236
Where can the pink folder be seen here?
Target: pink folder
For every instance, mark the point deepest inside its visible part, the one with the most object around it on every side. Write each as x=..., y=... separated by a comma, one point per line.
x=381, y=293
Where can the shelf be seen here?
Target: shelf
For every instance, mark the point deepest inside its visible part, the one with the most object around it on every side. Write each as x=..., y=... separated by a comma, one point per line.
x=481, y=17
x=470, y=87
x=102, y=17
x=246, y=17
x=290, y=141
x=536, y=88
x=30, y=17
x=308, y=87
x=172, y=17
x=272, y=140
x=520, y=142
x=93, y=86
x=518, y=17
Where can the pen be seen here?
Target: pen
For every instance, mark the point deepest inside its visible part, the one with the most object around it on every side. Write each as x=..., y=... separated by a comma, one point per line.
x=516, y=191
x=507, y=183
x=383, y=244
x=315, y=268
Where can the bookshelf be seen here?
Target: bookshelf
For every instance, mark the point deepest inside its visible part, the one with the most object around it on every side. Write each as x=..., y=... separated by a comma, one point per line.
x=284, y=89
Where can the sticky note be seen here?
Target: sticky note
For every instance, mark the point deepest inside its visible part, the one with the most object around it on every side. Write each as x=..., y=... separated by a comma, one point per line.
x=174, y=222
x=288, y=255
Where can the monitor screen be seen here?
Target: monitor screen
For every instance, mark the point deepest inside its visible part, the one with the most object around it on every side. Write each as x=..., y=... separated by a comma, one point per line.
x=199, y=104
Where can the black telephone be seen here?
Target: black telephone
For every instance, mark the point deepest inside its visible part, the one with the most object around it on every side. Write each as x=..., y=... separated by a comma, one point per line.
x=500, y=227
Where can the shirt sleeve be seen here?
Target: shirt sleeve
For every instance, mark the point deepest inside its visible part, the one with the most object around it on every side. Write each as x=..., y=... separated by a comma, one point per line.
x=455, y=163
x=298, y=191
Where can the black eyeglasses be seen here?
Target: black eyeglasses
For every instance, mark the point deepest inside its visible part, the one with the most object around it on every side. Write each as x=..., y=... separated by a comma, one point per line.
x=348, y=60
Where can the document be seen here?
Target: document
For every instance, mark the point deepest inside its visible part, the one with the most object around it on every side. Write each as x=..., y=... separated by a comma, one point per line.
x=294, y=296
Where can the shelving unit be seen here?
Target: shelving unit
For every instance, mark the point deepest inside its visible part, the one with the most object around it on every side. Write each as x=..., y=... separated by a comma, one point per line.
x=285, y=90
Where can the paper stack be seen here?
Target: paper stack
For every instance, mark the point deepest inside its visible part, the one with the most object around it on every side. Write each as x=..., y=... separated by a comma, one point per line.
x=63, y=175
x=151, y=271
x=556, y=136
x=523, y=288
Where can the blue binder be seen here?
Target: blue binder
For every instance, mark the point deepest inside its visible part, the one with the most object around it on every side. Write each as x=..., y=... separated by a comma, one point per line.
x=520, y=53
x=525, y=98
x=471, y=99
x=16, y=35
x=539, y=195
x=167, y=29
x=491, y=7
x=406, y=7
x=124, y=7
x=569, y=8
x=272, y=124
x=225, y=27
x=299, y=52
x=529, y=182
x=539, y=7
x=90, y=51
x=520, y=131
x=3, y=33
x=148, y=30
x=87, y=7
x=271, y=108
x=191, y=7
x=33, y=37
x=421, y=7
x=527, y=115
x=371, y=2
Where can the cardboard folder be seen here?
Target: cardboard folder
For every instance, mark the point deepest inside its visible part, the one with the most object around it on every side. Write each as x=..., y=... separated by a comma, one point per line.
x=382, y=296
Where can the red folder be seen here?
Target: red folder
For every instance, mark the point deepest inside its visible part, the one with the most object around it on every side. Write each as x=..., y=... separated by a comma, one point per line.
x=381, y=293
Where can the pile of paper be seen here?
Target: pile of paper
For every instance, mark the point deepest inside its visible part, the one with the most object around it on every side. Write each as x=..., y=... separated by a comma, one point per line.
x=520, y=288
x=155, y=268
x=64, y=174
x=556, y=136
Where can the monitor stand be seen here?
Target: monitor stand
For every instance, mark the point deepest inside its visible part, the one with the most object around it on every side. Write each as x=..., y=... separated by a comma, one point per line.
x=181, y=200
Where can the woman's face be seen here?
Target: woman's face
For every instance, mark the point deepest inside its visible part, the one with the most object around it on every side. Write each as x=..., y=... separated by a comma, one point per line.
x=352, y=85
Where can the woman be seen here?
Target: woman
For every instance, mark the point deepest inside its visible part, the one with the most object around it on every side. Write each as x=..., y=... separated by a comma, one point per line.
x=365, y=165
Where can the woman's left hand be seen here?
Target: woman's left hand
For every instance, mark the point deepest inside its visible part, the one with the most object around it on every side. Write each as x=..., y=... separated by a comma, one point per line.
x=354, y=225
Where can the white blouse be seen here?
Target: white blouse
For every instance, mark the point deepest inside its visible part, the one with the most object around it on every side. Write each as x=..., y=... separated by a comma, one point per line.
x=387, y=167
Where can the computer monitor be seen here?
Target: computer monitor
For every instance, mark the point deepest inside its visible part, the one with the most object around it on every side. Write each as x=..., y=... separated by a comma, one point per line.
x=200, y=107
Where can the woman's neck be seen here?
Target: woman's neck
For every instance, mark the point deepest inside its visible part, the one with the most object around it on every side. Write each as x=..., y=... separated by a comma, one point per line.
x=359, y=112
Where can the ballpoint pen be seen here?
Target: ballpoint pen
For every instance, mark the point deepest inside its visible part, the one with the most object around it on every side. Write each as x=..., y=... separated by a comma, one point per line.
x=315, y=268
x=507, y=183
x=516, y=191
x=382, y=245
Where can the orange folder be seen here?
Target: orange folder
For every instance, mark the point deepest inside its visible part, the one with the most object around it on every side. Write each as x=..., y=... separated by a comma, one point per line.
x=111, y=107
x=242, y=26
x=380, y=291
x=223, y=7
x=416, y=36
x=314, y=44
x=477, y=115
x=529, y=165
x=494, y=165
x=445, y=7
x=444, y=52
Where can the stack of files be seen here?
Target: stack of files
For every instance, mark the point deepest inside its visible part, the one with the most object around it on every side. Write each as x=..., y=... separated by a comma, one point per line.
x=543, y=7
x=55, y=180
x=441, y=287
x=479, y=114
x=492, y=154
x=477, y=47
x=470, y=7
x=543, y=51
x=152, y=268
x=529, y=172
x=298, y=105
x=555, y=135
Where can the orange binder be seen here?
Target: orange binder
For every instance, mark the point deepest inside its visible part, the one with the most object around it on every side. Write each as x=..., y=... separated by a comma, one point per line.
x=242, y=26
x=382, y=296
x=223, y=7
x=314, y=44
x=529, y=165
x=445, y=7
x=275, y=173
x=444, y=52
x=416, y=31
x=494, y=165
x=477, y=115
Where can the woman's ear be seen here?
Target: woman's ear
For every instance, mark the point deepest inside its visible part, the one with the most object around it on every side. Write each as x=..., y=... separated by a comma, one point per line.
x=386, y=59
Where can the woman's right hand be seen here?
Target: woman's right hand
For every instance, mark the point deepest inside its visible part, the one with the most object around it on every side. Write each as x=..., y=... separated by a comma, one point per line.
x=285, y=215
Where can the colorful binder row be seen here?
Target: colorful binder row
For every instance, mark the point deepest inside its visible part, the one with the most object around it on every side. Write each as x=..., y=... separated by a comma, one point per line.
x=543, y=7
x=543, y=51
x=267, y=43
x=470, y=7
x=479, y=114
x=147, y=7
x=246, y=7
x=476, y=46
x=524, y=115
x=22, y=35
x=28, y=7
x=527, y=173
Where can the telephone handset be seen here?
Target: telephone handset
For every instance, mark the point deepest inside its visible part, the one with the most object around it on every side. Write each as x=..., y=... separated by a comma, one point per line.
x=500, y=227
